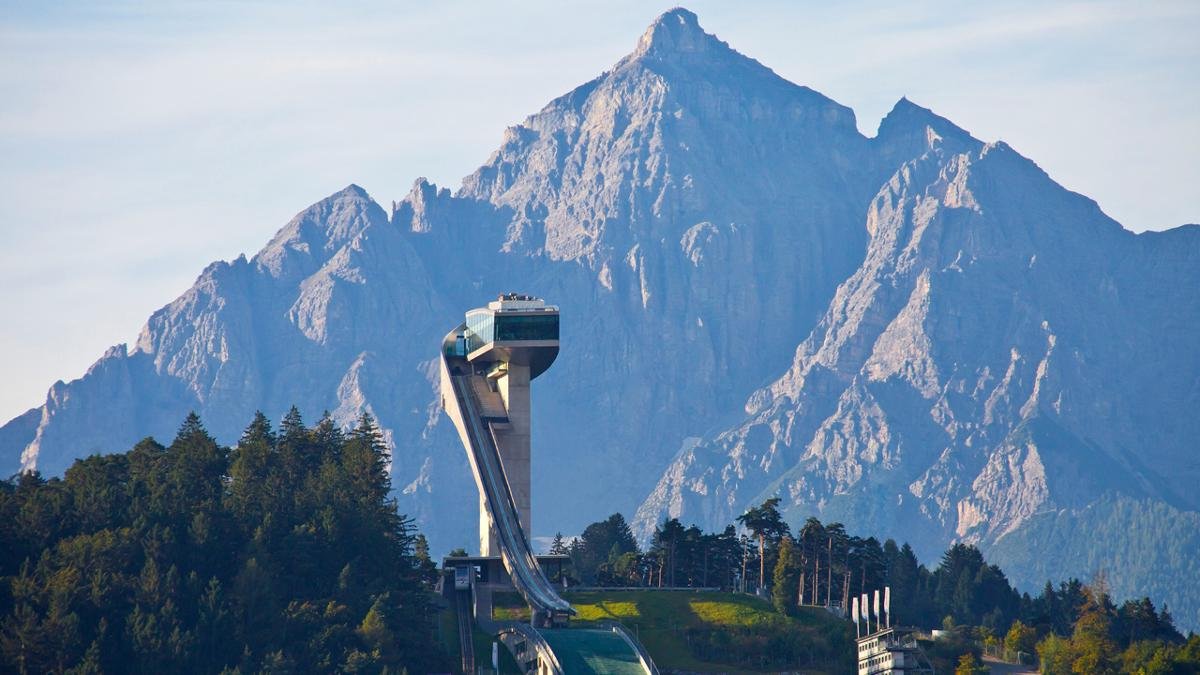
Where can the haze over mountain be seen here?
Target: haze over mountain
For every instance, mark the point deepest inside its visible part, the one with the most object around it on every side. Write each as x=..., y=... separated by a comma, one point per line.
x=919, y=333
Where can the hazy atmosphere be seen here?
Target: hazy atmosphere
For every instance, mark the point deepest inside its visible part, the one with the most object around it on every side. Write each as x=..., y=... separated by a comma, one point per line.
x=386, y=338
x=139, y=143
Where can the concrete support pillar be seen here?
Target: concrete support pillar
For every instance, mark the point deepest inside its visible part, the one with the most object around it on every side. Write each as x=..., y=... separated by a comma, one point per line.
x=513, y=444
x=514, y=441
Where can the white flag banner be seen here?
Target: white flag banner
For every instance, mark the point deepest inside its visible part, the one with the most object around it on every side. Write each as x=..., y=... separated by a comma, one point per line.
x=877, y=614
x=887, y=603
x=866, y=608
x=854, y=610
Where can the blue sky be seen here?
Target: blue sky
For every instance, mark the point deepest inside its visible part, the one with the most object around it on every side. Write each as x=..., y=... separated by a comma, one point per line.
x=141, y=141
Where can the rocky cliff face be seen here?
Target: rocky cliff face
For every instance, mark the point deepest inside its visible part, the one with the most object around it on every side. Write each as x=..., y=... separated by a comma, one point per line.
x=1005, y=351
x=692, y=212
x=979, y=349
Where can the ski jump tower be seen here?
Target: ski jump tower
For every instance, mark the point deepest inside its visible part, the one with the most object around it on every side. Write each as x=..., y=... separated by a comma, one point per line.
x=487, y=365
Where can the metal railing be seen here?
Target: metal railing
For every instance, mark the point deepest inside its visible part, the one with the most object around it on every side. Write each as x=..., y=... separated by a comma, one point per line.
x=465, y=637
x=513, y=633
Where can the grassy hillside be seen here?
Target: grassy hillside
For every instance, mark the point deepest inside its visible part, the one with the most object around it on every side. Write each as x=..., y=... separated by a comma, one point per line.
x=712, y=632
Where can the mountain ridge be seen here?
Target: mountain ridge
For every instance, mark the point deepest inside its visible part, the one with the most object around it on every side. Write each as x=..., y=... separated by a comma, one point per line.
x=848, y=415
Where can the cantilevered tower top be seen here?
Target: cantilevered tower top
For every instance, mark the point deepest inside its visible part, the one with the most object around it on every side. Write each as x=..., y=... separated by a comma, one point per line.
x=514, y=328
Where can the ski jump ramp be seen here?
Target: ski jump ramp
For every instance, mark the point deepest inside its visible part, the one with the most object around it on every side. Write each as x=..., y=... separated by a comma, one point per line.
x=487, y=365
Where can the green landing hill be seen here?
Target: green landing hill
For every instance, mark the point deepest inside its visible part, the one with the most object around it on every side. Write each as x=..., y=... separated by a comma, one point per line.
x=712, y=631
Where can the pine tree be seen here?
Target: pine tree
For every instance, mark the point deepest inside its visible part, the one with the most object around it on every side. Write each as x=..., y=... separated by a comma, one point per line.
x=328, y=436
x=253, y=489
x=259, y=431
x=785, y=580
x=559, y=545
x=298, y=452
x=667, y=539
x=766, y=523
x=426, y=567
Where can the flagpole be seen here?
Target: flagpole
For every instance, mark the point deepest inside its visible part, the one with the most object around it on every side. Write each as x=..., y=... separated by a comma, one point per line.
x=866, y=612
x=887, y=604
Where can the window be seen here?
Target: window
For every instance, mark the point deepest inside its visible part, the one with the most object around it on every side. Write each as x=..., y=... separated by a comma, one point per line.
x=484, y=327
x=479, y=329
x=526, y=327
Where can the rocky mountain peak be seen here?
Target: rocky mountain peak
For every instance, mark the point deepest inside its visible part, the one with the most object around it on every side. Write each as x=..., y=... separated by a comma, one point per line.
x=909, y=129
x=677, y=30
x=676, y=47
x=643, y=152
x=305, y=243
x=412, y=213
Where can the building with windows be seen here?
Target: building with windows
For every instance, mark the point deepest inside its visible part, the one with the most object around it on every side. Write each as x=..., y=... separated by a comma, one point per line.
x=892, y=651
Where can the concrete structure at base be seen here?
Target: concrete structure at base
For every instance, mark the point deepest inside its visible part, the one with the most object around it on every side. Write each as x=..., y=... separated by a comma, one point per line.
x=892, y=651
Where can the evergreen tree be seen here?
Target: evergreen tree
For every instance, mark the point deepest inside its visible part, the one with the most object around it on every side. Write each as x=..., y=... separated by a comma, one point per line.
x=601, y=543
x=767, y=524
x=559, y=545
x=251, y=470
x=812, y=538
x=786, y=577
x=426, y=567
x=328, y=437
x=904, y=578
x=667, y=540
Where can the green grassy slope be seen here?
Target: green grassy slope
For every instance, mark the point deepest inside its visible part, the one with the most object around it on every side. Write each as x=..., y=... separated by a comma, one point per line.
x=714, y=632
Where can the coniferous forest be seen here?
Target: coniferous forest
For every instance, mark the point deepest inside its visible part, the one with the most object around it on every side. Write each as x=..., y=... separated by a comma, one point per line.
x=285, y=553
x=282, y=554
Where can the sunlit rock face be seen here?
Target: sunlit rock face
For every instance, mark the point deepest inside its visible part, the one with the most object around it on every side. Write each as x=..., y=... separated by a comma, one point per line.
x=917, y=333
x=1005, y=353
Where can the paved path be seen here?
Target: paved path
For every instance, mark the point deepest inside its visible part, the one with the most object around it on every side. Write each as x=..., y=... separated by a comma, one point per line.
x=1002, y=668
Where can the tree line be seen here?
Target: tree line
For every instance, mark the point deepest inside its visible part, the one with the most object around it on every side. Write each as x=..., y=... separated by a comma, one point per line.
x=283, y=553
x=1072, y=627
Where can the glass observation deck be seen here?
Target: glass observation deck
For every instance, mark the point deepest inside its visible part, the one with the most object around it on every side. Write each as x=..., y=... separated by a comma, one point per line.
x=484, y=327
x=513, y=328
x=512, y=318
